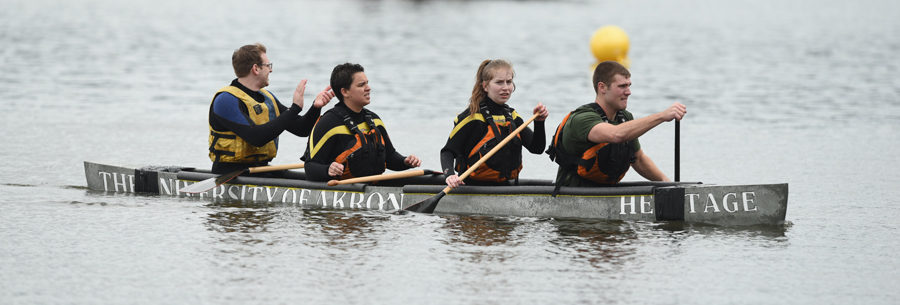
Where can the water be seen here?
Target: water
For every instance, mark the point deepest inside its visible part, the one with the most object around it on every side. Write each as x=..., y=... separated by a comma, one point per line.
x=803, y=92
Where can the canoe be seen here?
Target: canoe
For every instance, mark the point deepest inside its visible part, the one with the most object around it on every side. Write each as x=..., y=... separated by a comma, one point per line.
x=695, y=202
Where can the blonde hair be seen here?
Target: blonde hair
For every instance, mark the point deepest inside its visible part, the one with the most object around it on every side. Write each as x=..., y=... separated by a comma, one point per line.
x=485, y=73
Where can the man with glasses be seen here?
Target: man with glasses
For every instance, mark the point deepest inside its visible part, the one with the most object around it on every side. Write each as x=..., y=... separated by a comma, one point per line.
x=245, y=120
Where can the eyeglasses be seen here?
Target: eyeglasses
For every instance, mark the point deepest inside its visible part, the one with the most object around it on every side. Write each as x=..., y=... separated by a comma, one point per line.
x=268, y=65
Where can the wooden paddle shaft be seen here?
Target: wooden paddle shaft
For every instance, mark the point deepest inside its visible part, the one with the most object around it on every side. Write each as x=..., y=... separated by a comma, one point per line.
x=272, y=168
x=494, y=150
x=390, y=176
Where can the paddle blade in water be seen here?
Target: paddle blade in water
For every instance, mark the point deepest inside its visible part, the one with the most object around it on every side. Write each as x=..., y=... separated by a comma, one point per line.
x=427, y=205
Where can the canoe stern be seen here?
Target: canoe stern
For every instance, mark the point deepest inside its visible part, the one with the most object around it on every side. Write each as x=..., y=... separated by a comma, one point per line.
x=731, y=205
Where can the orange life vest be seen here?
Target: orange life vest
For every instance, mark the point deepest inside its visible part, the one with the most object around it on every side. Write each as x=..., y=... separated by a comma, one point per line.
x=506, y=164
x=604, y=163
x=367, y=155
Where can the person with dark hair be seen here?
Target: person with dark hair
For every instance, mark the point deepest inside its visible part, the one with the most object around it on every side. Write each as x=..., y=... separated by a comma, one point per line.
x=245, y=120
x=597, y=144
x=350, y=140
x=484, y=124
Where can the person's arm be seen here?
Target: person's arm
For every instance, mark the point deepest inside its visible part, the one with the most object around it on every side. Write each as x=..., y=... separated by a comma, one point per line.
x=395, y=162
x=535, y=140
x=456, y=142
x=320, y=153
x=302, y=126
x=450, y=176
x=447, y=159
x=644, y=166
x=316, y=171
x=609, y=133
x=227, y=112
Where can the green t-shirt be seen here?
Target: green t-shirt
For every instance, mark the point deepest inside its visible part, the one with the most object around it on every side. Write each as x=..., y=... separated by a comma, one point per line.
x=575, y=140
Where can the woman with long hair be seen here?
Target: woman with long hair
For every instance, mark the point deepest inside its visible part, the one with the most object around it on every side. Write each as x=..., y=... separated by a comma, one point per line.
x=484, y=124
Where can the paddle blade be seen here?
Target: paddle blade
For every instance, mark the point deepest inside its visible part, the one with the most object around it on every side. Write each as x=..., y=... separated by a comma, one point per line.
x=227, y=177
x=199, y=187
x=208, y=184
x=427, y=205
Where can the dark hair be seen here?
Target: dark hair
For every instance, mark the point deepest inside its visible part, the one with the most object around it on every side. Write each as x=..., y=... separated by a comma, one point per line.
x=485, y=73
x=342, y=78
x=606, y=73
x=245, y=57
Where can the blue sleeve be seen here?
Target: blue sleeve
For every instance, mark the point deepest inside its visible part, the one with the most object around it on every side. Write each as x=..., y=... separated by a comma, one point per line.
x=227, y=106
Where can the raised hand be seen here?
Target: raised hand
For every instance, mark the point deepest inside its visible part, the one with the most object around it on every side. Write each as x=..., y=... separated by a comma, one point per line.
x=298, y=93
x=675, y=112
x=324, y=97
x=540, y=108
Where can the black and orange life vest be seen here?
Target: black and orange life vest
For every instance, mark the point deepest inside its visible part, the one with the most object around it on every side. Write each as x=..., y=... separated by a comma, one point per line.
x=367, y=155
x=604, y=163
x=506, y=163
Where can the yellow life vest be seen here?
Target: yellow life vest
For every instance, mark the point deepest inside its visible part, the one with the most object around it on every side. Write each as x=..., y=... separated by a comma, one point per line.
x=226, y=146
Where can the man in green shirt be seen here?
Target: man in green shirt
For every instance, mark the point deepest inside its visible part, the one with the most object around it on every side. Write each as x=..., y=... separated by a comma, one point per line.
x=597, y=143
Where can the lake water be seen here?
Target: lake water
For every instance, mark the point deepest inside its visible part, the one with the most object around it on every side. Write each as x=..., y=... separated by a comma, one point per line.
x=795, y=91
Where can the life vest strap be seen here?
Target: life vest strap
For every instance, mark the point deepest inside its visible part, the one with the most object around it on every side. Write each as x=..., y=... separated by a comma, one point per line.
x=364, y=140
x=498, y=136
x=212, y=147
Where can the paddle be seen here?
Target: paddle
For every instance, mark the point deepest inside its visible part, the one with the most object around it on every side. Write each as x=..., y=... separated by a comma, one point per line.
x=381, y=177
x=428, y=205
x=211, y=183
x=677, y=150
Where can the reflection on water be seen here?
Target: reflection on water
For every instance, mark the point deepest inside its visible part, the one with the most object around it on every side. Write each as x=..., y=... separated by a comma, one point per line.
x=241, y=221
x=248, y=222
x=249, y=229
x=609, y=245
x=239, y=217
x=751, y=236
x=601, y=244
x=481, y=238
x=343, y=230
x=480, y=230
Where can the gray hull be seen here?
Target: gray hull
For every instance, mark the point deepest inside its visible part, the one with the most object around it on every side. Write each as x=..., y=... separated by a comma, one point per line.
x=730, y=205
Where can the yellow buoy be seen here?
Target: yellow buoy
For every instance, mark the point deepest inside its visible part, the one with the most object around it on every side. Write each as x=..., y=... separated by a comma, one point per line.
x=610, y=42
